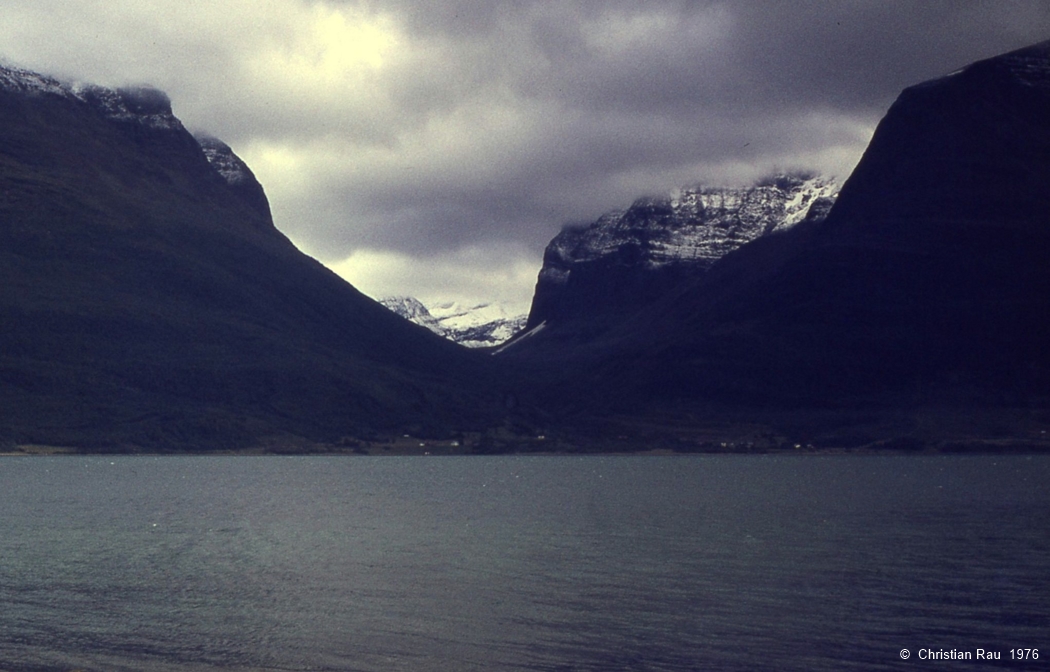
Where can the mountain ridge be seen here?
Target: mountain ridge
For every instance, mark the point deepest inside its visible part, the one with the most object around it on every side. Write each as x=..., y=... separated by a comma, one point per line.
x=148, y=302
x=922, y=289
x=476, y=325
x=147, y=299
x=594, y=276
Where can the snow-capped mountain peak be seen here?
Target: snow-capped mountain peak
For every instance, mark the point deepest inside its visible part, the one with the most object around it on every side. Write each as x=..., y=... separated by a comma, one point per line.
x=474, y=325
x=692, y=225
x=632, y=256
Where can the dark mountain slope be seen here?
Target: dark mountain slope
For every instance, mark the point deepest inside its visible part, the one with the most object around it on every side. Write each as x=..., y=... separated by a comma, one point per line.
x=927, y=283
x=146, y=297
x=929, y=274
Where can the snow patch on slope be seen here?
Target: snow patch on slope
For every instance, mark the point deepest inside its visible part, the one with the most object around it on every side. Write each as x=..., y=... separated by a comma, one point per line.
x=528, y=334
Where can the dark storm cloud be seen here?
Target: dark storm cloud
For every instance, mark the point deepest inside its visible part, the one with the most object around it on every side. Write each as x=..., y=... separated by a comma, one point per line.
x=858, y=55
x=663, y=57
x=616, y=97
x=416, y=130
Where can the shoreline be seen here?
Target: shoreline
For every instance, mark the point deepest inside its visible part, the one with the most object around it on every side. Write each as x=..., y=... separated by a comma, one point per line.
x=437, y=450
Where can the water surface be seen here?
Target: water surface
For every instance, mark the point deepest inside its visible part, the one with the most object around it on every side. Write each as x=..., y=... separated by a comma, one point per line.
x=519, y=563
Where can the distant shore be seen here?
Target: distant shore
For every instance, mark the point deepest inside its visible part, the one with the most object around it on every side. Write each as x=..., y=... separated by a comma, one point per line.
x=408, y=446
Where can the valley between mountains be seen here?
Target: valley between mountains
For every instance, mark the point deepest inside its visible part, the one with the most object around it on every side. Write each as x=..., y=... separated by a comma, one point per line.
x=149, y=304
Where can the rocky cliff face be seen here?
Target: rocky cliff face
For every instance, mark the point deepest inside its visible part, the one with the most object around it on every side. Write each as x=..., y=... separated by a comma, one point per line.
x=147, y=300
x=631, y=257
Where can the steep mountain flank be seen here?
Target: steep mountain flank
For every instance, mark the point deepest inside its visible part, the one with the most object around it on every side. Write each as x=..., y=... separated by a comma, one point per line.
x=928, y=277
x=146, y=298
x=926, y=284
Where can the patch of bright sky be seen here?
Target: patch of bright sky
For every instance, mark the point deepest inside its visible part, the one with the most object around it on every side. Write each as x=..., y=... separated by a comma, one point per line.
x=330, y=47
x=506, y=275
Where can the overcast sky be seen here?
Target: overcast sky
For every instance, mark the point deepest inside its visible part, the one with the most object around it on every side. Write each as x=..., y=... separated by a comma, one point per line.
x=434, y=148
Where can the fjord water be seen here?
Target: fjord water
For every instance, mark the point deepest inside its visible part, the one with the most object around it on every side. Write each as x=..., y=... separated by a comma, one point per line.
x=519, y=563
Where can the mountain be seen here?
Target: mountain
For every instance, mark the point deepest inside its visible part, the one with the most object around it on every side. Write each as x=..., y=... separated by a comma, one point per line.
x=927, y=277
x=413, y=310
x=925, y=286
x=147, y=300
x=478, y=325
x=594, y=276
